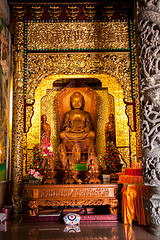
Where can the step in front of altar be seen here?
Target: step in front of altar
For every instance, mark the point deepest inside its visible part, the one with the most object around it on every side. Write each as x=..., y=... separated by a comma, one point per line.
x=58, y=218
x=87, y=214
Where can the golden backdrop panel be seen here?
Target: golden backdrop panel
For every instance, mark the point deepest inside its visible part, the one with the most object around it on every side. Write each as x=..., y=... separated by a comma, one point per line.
x=134, y=155
x=29, y=161
x=40, y=66
x=106, y=107
x=77, y=35
x=49, y=109
x=44, y=104
x=125, y=154
x=33, y=136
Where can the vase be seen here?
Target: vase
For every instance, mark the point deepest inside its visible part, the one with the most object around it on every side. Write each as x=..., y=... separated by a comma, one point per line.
x=106, y=178
x=34, y=181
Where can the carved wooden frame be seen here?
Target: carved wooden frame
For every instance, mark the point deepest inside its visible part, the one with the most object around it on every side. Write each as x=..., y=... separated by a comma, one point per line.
x=72, y=195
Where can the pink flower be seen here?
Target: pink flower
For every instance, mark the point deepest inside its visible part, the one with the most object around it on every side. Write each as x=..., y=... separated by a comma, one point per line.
x=31, y=171
x=35, y=175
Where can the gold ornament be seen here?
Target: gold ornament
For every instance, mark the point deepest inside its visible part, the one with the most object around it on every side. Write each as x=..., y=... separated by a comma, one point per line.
x=54, y=11
x=36, y=11
x=108, y=12
x=89, y=11
x=18, y=11
x=72, y=11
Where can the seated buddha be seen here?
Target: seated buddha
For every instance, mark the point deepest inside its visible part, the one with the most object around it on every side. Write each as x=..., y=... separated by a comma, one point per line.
x=77, y=122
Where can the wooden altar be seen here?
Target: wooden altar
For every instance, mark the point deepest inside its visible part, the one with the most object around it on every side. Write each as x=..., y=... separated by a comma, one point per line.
x=71, y=195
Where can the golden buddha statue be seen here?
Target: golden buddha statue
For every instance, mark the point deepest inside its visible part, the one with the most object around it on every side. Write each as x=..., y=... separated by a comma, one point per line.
x=77, y=122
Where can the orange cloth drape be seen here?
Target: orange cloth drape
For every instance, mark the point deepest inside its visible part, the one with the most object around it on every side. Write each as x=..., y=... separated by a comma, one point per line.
x=132, y=204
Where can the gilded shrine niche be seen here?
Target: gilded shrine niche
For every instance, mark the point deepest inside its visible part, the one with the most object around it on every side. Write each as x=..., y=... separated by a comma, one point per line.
x=110, y=102
x=95, y=52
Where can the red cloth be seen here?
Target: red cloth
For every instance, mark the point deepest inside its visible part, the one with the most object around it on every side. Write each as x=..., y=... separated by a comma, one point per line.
x=133, y=172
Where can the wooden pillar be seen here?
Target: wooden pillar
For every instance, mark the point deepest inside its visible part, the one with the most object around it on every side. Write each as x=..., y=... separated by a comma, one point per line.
x=18, y=110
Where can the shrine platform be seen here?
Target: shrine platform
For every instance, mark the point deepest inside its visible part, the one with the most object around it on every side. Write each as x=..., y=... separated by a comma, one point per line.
x=85, y=196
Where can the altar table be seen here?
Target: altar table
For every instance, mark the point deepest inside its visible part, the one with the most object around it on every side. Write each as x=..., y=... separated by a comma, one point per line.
x=72, y=195
x=132, y=204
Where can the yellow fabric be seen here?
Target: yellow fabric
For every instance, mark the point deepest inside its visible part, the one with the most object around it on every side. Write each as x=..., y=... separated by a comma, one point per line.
x=132, y=204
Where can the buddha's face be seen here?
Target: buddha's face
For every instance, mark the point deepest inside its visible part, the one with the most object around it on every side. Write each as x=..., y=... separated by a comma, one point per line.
x=111, y=118
x=44, y=118
x=77, y=102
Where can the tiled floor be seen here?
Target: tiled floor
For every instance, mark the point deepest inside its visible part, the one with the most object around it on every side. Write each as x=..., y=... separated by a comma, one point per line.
x=19, y=229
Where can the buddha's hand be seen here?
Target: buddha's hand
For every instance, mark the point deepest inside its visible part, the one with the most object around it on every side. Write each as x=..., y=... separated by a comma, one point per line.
x=68, y=129
x=86, y=129
x=77, y=130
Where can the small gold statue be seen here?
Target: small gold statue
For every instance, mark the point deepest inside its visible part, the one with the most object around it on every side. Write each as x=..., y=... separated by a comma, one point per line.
x=93, y=172
x=92, y=168
x=110, y=130
x=45, y=129
x=70, y=173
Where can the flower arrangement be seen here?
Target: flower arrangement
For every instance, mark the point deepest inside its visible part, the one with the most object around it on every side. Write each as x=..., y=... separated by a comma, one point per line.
x=110, y=160
x=36, y=169
x=34, y=175
x=40, y=152
x=47, y=149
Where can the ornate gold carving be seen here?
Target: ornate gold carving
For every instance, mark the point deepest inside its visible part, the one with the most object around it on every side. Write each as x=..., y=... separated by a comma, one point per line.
x=54, y=11
x=77, y=35
x=124, y=12
x=133, y=151
x=17, y=203
x=33, y=211
x=37, y=11
x=130, y=115
x=125, y=154
x=69, y=195
x=28, y=194
x=72, y=11
x=108, y=12
x=28, y=116
x=18, y=11
x=113, y=206
x=89, y=11
x=24, y=153
x=29, y=160
x=70, y=202
x=18, y=111
x=19, y=37
x=87, y=192
x=113, y=64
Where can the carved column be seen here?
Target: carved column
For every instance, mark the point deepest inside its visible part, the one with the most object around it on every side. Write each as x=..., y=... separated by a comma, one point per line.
x=18, y=108
x=148, y=35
